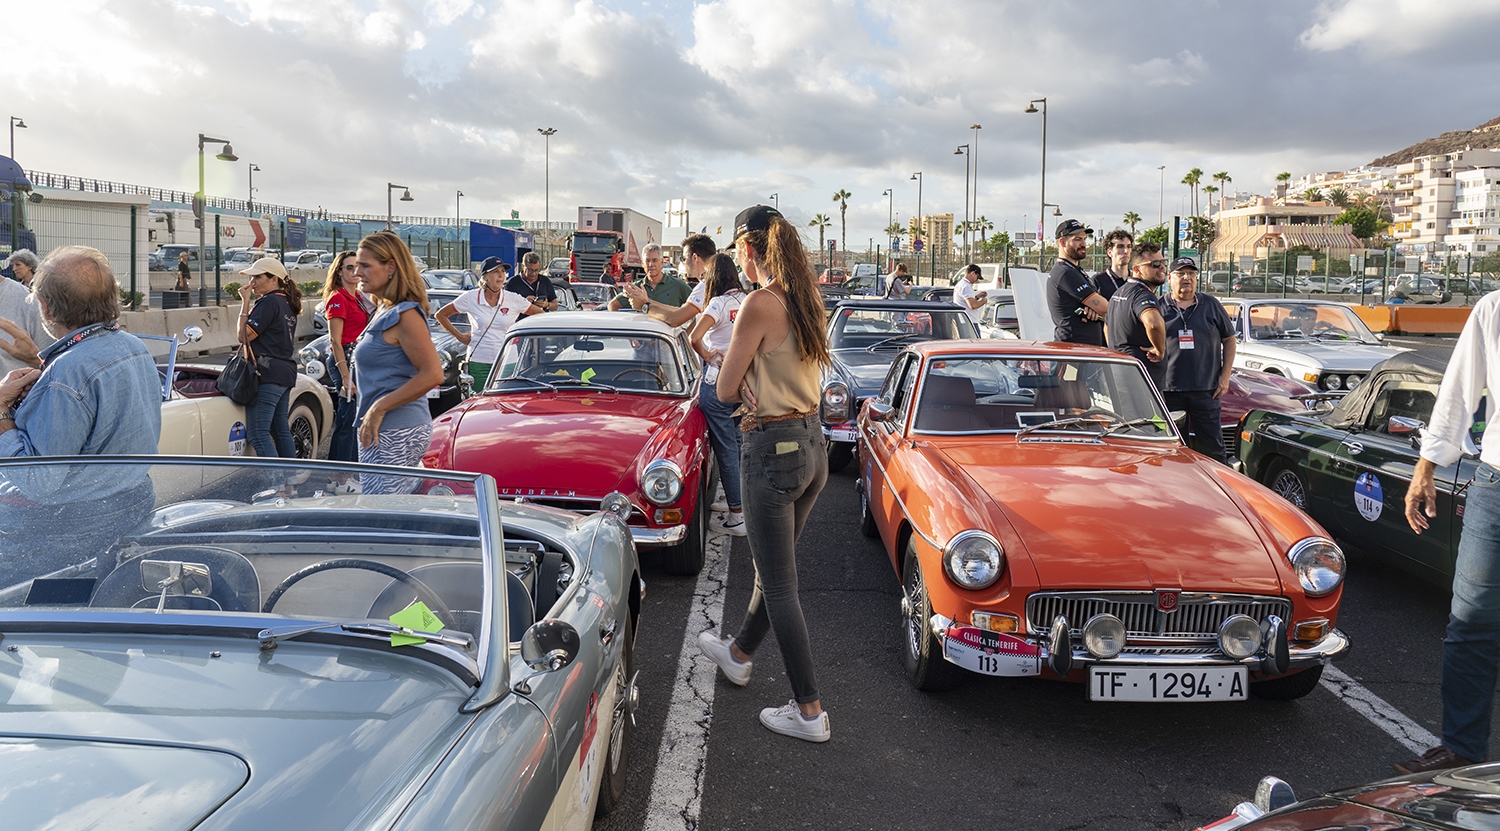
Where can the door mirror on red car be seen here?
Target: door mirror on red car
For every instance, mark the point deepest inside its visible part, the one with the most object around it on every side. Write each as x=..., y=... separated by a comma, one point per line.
x=880, y=411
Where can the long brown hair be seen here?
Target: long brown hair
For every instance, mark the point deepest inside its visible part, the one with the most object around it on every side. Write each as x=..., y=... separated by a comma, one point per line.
x=781, y=255
x=406, y=283
x=293, y=293
x=332, y=283
x=721, y=276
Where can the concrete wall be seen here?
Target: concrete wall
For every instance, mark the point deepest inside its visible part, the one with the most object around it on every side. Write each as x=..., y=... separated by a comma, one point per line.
x=217, y=322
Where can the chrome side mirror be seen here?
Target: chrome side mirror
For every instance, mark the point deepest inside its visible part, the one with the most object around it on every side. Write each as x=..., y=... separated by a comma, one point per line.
x=880, y=410
x=1177, y=416
x=191, y=334
x=1272, y=794
x=549, y=645
x=1403, y=426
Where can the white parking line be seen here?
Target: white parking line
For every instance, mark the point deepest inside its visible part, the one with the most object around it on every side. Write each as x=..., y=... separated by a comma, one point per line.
x=677, y=789
x=1410, y=734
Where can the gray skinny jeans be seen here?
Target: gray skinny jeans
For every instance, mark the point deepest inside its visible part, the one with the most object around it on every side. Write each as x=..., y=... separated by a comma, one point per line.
x=783, y=467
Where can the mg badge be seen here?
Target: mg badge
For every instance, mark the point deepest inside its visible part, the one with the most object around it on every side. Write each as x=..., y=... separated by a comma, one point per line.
x=1166, y=600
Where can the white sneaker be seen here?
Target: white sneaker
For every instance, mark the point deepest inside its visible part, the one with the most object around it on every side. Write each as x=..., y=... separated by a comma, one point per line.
x=349, y=487
x=719, y=505
x=731, y=524
x=737, y=671
x=788, y=721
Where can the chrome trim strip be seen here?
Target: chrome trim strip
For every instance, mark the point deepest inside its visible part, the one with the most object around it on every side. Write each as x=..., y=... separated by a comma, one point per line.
x=656, y=537
x=902, y=505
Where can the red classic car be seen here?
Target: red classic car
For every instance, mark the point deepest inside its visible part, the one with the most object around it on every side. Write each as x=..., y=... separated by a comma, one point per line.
x=1045, y=518
x=582, y=405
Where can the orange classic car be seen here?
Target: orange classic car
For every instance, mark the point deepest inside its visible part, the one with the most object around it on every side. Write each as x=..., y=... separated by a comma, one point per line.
x=1045, y=519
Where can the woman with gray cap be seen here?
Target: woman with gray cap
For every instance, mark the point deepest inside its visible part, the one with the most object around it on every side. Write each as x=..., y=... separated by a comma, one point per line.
x=774, y=365
x=269, y=331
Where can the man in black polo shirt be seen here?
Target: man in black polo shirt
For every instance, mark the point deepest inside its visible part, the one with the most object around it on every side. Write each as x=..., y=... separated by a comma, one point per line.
x=1076, y=307
x=1134, y=319
x=1117, y=245
x=1200, y=356
x=531, y=284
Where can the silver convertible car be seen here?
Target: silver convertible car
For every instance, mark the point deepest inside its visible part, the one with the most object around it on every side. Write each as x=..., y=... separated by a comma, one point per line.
x=218, y=645
x=1315, y=341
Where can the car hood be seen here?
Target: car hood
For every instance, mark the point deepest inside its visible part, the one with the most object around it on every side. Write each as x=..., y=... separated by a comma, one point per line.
x=574, y=442
x=862, y=370
x=1120, y=516
x=176, y=729
x=1336, y=355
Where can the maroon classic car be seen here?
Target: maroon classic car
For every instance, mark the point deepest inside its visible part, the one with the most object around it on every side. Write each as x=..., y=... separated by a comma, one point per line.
x=1251, y=389
x=583, y=405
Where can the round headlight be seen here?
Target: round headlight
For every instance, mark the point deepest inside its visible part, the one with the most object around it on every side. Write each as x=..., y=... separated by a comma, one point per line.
x=1239, y=637
x=835, y=406
x=1352, y=381
x=661, y=482
x=973, y=559
x=440, y=489
x=1319, y=565
x=1104, y=636
x=1333, y=382
x=313, y=369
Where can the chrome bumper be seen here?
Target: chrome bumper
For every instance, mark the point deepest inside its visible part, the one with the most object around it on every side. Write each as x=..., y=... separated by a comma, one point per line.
x=658, y=537
x=1301, y=656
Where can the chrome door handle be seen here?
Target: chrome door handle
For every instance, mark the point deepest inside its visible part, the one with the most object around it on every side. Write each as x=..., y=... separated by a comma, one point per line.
x=607, y=632
x=1354, y=447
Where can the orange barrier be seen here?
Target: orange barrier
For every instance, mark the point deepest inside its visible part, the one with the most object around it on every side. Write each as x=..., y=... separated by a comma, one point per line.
x=1378, y=318
x=1413, y=319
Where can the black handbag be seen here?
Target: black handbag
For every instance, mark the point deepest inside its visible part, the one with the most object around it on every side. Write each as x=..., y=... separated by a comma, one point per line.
x=240, y=380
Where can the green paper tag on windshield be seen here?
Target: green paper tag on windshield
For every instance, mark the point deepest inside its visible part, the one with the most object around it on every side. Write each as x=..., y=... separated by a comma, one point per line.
x=416, y=616
x=1160, y=423
x=587, y=374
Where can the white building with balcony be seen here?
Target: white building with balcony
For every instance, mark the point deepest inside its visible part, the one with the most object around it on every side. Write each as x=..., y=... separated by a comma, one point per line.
x=1425, y=195
x=1475, y=225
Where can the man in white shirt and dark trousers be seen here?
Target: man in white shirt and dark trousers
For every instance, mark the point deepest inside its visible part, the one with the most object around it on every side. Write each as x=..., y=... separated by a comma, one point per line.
x=1200, y=356
x=1471, y=650
x=972, y=299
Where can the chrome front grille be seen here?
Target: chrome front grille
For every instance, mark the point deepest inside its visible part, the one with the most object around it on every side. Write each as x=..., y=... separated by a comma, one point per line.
x=1197, y=619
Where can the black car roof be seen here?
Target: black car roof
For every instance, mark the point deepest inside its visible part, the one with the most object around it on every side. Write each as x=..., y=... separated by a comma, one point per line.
x=1352, y=405
x=1420, y=361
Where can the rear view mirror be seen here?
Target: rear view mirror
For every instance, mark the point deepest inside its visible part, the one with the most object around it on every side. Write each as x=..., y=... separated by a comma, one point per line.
x=880, y=410
x=549, y=645
x=588, y=346
x=176, y=578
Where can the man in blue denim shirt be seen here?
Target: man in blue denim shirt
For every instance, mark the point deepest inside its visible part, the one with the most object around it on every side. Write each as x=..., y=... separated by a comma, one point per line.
x=98, y=393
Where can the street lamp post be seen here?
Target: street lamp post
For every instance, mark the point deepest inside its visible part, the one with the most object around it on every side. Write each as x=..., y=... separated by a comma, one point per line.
x=963, y=150
x=547, y=135
x=458, y=228
x=776, y=201
x=918, y=177
x=1031, y=108
x=14, y=123
x=890, y=219
x=1161, y=195
x=974, y=203
x=227, y=155
x=250, y=202
x=389, y=213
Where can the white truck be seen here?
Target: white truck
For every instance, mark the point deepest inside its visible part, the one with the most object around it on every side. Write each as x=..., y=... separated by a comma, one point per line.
x=608, y=243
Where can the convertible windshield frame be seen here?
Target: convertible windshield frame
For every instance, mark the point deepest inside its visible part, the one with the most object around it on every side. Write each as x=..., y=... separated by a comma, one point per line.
x=1168, y=429
x=668, y=346
x=1361, y=332
x=489, y=664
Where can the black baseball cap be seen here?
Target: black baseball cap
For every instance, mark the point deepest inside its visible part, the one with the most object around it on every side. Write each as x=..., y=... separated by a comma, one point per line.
x=1183, y=264
x=756, y=218
x=1069, y=227
x=492, y=263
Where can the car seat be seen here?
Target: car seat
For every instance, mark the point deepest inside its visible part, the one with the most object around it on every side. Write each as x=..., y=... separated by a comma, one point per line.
x=948, y=405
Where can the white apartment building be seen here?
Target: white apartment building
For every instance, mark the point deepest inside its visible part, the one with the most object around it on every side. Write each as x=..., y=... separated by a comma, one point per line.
x=1363, y=179
x=1475, y=225
x=1425, y=194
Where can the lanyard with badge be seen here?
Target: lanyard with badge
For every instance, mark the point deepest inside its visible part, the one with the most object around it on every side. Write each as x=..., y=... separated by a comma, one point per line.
x=1185, y=335
x=82, y=335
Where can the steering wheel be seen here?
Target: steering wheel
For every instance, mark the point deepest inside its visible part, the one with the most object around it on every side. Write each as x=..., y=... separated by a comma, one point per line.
x=1100, y=411
x=1323, y=326
x=662, y=382
x=427, y=595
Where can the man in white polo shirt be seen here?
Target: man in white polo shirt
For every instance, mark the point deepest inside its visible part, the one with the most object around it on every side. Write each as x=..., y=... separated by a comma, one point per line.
x=972, y=299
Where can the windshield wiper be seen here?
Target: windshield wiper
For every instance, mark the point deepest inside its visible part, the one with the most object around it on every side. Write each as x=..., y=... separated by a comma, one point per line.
x=891, y=340
x=1154, y=420
x=538, y=382
x=574, y=382
x=1061, y=422
x=270, y=637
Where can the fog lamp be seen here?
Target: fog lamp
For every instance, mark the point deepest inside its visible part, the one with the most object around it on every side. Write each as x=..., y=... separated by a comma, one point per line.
x=616, y=503
x=313, y=369
x=1310, y=630
x=1239, y=636
x=996, y=621
x=1104, y=636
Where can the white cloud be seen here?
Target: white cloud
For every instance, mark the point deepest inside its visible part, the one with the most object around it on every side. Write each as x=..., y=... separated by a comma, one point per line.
x=1397, y=27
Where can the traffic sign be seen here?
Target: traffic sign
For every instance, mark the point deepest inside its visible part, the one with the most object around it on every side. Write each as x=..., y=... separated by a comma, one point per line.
x=1304, y=262
x=833, y=245
x=1247, y=262
x=917, y=246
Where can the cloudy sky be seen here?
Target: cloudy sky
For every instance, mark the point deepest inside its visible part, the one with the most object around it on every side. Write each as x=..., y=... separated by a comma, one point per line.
x=726, y=102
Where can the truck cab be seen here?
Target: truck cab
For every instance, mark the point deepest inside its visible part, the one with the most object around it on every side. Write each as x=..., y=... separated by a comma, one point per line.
x=596, y=255
x=15, y=194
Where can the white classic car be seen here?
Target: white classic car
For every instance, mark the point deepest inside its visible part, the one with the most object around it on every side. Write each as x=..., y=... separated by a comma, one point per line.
x=1317, y=341
x=197, y=420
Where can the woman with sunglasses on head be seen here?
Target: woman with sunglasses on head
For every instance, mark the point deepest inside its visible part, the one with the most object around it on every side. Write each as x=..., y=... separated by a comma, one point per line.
x=774, y=365
x=348, y=312
x=395, y=362
x=722, y=299
x=269, y=329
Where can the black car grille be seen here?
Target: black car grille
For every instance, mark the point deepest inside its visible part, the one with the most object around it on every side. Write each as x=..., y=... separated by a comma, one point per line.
x=1197, y=619
x=1231, y=441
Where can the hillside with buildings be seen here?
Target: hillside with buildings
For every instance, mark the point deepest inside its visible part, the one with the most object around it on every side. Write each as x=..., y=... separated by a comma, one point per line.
x=1485, y=135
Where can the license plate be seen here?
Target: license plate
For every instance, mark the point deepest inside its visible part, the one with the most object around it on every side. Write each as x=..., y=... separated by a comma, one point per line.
x=435, y=392
x=847, y=434
x=1189, y=684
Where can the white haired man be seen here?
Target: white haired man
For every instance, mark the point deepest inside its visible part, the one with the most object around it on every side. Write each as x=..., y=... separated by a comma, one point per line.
x=657, y=286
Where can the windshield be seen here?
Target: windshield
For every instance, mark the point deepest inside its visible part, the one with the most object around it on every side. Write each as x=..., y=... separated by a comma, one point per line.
x=1283, y=321
x=881, y=329
x=593, y=292
x=586, y=244
x=234, y=539
x=638, y=362
x=1006, y=395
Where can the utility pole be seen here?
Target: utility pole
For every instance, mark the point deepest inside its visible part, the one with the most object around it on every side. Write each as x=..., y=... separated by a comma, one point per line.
x=1042, y=212
x=920, y=224
x=200, y=207
x=547, y=135
x=963, y=150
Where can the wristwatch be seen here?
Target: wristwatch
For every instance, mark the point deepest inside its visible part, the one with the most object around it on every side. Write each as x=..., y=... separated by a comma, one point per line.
x=7, y=414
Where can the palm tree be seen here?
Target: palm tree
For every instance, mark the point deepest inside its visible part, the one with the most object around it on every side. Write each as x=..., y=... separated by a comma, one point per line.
x=1132, y=219
x=894, y=230
x=1339, y=197
x=1192, y=179
x=983, y=226
x=1224, y=179
x=1281, y=182
x=1210, y=190
x=821, y=222
x=842, y=197
x=1312, y=195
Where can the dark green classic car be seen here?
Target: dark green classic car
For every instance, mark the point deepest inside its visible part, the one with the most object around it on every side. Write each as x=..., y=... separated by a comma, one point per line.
x=1349, y=467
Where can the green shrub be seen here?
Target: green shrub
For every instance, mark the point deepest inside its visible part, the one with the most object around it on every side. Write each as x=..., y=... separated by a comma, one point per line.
x=131, y=298
x=232, y=290
x=311, y=288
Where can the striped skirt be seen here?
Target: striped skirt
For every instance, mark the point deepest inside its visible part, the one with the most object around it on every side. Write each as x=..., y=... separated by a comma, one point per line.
x=403, y=448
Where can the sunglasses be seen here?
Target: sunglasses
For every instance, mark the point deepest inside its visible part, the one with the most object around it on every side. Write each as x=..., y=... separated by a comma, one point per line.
x=1154, y=264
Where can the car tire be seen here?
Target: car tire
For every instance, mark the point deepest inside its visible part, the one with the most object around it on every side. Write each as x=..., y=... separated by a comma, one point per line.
x=1288, y=687
x=840, y=454
x=686, y=558
x=617, y=752
x=867, y=524
x=928, y=670
x=1283, y=478
x=306, y=436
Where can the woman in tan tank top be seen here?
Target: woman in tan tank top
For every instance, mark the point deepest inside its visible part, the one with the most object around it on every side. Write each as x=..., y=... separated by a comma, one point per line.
x=774, y=366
